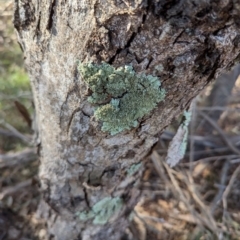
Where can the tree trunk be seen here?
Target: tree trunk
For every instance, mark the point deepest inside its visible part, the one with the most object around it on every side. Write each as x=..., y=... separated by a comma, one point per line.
x=88, y=177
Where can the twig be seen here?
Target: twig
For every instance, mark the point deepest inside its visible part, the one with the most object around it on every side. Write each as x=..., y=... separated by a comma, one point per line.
x=207, y=159
x=16, y=132
x=10, y=190
x=218, y=108
x=7, y=133
x=192, y=126
x=228, y=188
x=223, y=180
x=208, y=141
x=195, y=195
x=158, y=166
x=180, y=194
x=6, y=6
x=198, y=218
x=12, y=159
x=234, y=161
x=26, y=95
x=221, y=133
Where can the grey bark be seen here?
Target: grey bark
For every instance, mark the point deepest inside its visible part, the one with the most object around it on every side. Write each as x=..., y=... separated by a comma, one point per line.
x=185, y=43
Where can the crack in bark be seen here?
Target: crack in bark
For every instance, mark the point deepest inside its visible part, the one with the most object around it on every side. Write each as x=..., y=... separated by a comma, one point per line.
x=109, y=169
x=71, y=118
x=51, y=15
x=85, y=114
x=112, y=59
x=132, y=37
x=61, y=118
x=86, y=197
x=38, y=30
x=47, y=197
x=150, y=60
x=16, y=16
x=178, y=36
x=162, y=7
x=23, y=14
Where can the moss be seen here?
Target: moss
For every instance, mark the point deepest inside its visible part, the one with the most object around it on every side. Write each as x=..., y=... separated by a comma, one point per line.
x=102, y=211
x=121, y=96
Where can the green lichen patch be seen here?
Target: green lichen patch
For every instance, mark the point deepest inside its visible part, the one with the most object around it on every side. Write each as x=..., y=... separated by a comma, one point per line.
x=122, y=96
x=102, y=211
x=134, y=168
x=178, y=145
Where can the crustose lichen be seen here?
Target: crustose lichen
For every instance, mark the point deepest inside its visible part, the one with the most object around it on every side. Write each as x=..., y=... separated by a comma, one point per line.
x=102, y=211
x=121, y=95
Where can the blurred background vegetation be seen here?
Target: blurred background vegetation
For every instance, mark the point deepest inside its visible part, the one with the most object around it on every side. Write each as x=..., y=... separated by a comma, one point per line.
x=19, y=196
x=197, y=200
x=14, y=81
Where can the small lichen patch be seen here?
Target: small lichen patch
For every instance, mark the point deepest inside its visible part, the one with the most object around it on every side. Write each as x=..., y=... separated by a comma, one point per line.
x=134, y=168
x=183, y=147
x=121, y=95
x=102, y=211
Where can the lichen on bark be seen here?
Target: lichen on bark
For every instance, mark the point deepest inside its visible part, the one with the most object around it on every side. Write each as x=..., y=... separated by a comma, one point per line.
x=102, y=211
x=121, y=96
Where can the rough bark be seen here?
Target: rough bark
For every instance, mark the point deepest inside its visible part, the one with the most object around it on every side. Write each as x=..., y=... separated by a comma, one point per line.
x=186, y=43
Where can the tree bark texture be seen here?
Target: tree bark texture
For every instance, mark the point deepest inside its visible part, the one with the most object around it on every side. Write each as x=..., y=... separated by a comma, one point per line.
x=186, y=43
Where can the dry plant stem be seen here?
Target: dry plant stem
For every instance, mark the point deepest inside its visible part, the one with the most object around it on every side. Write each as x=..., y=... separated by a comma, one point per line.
x=227, y=109
x=185, y=217
x=7, y=133
x=217, y=199
x=221, y=92
x=192, y=127
x=228, y=188
x=200, y=220
x=215, y=151
x=214, y=158
x=181, y=196
x=15, y=132
x=156, y=159
x=12, y=190
x=142, y=226
x=221, y=133
x=205, y=218
x=196, y=196
x=219, y=96
x=4, y=10
x=148, y=219
x=13, y=159
x=212, y=142
x=234, y=161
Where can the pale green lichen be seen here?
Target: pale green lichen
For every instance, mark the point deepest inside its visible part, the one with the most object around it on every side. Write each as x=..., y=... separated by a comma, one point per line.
x=131, y=216
x=102, y=211
x=134, y=168
x=183, y=146
x=178, y=145
x=187, y=115
x=121, y=95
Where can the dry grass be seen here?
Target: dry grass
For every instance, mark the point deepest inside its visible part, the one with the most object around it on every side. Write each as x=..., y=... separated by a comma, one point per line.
x=198, y=199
